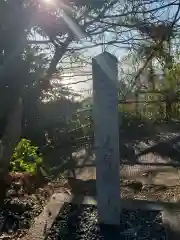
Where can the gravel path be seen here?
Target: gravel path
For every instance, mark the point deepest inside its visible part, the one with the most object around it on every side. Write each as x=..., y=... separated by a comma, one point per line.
x=19, y=211
x=82, y=223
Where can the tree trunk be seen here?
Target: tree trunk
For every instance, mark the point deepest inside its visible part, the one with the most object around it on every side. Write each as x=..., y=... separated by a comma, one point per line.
x=168, y=110
x=9, y=141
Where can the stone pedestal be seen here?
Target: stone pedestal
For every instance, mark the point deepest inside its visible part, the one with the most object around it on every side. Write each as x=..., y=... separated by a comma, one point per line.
x=106, y=128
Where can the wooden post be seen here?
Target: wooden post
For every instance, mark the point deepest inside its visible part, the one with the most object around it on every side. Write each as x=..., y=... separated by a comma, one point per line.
x=106, y=128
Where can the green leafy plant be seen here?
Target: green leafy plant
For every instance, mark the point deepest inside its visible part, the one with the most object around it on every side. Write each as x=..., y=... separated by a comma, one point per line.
x=25, y=157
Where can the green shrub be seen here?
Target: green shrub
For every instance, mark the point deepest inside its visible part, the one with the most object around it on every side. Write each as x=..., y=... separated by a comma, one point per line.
x=25, y=157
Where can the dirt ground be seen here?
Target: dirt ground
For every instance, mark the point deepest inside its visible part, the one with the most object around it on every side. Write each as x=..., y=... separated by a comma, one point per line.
x=131, y=187
x=163, y=186
x=146, y=182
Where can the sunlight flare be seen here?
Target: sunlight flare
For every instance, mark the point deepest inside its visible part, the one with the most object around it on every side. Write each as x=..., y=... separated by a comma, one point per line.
x=48, y=1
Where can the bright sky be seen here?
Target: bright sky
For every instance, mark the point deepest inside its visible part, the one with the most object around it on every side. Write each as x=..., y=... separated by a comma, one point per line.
x=86, y=87
x=83, y=88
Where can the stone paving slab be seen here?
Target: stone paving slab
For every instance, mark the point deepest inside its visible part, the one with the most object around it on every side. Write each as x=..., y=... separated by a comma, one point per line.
x=45, y=220
x=42, y=224
x=159, y=175
x=162, y=170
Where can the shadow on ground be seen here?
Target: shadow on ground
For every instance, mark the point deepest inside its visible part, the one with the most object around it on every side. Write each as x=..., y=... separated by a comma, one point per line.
x=161, y=139
x=144, y=219
x=166, y=149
